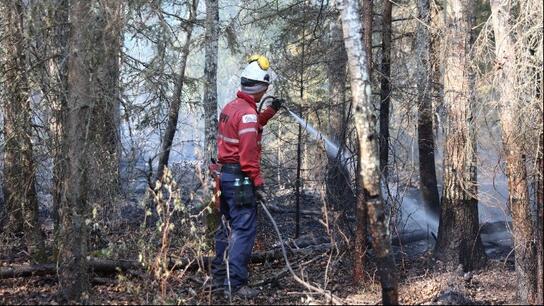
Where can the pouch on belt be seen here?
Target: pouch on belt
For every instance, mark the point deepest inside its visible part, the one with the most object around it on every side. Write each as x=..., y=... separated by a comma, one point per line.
x=244, y=193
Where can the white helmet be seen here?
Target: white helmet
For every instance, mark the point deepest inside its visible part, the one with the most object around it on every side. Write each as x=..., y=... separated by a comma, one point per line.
x=257, y=69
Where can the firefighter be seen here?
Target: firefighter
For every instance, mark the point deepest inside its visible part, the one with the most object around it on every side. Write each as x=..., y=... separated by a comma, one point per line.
x=239, y=151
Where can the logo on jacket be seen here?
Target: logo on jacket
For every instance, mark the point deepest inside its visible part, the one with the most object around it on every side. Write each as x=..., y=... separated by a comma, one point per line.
x=249, y=118
x=223, y=117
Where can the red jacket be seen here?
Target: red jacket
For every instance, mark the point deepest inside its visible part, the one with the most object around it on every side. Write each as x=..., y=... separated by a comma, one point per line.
x=239, y=135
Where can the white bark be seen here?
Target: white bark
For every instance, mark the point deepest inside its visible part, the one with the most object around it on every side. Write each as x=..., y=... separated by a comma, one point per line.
x=368, y=141
x=361, y=94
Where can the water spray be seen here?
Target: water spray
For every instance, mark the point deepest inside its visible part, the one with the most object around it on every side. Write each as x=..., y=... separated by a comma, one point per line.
x=331, y=148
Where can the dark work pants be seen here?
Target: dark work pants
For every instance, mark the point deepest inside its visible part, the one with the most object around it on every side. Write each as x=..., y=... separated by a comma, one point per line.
x=238, y=245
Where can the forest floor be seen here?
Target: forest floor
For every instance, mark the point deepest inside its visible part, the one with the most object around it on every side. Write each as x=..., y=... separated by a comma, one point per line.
x=422, y=279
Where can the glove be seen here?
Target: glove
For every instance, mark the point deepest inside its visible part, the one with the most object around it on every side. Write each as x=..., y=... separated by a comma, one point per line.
x=276, y=103
x=260, y=195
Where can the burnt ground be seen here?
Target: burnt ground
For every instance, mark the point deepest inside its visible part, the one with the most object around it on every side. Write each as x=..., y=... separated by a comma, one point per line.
x=422, y=279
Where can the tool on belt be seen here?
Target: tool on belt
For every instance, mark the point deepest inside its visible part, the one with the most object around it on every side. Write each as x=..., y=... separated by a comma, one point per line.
x=215, y=171
x=244, y=195
x=243, y=192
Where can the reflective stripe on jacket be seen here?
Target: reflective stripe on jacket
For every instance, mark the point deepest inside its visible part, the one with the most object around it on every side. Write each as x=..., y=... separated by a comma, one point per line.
x=239, y=135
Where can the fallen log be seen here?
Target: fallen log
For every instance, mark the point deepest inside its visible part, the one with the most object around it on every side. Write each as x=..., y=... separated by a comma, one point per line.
x=96, y=265
x=311, y=241
x=27, y=270
x=108, y=266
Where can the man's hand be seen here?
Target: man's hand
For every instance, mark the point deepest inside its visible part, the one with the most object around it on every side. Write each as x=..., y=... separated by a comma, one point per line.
x=260, y=195
x=276, y=103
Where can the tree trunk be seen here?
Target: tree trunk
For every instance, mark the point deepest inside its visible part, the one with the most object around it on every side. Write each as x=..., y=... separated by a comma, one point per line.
x=210, y=98
x=112, y=11
x=57, y=69
x=108, y=266
x=539, y=188
x=458, y=238
x=518, y=196
x=369, y=173
x=74, y=212
x=105, y=130
x=339, y=192
x=385, y=94
x=367, y=17
x=299, y=189
x=210, y=73
x=173, y=110
x=540, y=220
x=361, y=213
x=361, y=228
x=19, y=172
x=298, y=181
x=427, y=172
x=437, y=67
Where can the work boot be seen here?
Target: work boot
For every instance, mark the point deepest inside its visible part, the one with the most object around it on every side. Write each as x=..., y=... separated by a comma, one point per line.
x=243, y=292
x=218, y=284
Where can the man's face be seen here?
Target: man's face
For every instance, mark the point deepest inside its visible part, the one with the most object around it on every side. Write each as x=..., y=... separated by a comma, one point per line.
x=259, y=96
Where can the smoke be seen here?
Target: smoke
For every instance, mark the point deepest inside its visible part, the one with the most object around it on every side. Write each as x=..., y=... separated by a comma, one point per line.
x=415, y=215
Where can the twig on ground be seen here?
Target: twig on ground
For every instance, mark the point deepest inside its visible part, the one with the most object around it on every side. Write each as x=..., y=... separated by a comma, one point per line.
x=285, y=271
x=334, y=299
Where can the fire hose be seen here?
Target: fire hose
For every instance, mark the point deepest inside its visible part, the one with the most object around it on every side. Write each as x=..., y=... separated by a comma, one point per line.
x=334, y=299
x=215, y=171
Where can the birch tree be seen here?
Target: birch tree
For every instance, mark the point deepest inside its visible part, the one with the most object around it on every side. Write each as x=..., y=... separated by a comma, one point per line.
x=369, y=174
x=367, y=17
x=338, y=182
x=458, y=239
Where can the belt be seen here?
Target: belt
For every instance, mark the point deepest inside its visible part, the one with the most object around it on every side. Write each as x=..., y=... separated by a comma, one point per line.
x=232, y=169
